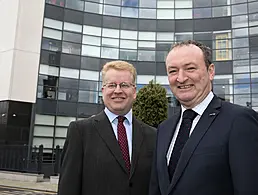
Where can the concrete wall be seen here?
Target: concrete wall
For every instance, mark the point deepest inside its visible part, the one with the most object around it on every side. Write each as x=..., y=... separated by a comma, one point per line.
x=20, y=37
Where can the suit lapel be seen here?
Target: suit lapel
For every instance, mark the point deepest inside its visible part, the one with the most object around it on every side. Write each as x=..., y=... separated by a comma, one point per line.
x=105, y=130
x=137, y=140
x=201, y=128
x=164, y=147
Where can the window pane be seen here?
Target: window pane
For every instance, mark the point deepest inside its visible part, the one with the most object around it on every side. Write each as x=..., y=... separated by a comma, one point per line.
x=165, y=4
x=201, y=3
x=253, y=19
x=64, y=121
x=184, y=14
x=91, y=30
x=242, y=53
x=130, y=3
x=241, y=32
x=166, y=36
x=44, y=119
x=147, y=35
x=221, y=11
x=69, y=73
x=59, y=142
x=93, y=7
x=128, y=34
x=128, y=44
x=72, y=27
x=68, y=83
x=50, y=44
x=90, y=51
x=74, y=4
x=67, y=94
x=128, y=54
x=129, y=12
x=107, y=32
x=202, y=13
x=109, y=53
x=183, y=3
x=91, y=40
x=148, y=3
x=254, y=31
x=43, y=131
x=165, y=14
x=240, y=21
x=111, y=10
x=88, y=96
x=147, y=13
x=146, y=44
x=161, y=56
x=55, y=2
x=253, y=7
x=112, y=2
x=53, y=23
x=144, y=79
x=238, y=1
x=46, y=142
x=243, y=42
x=71, y=48
x=89, y=85
x=183, y=36
x=110, y=42
x=239, y=9
x=48, y=70
x=89, y=75
x=219, y=2
x=73, y=37
x=240, y=66
x=146, y=55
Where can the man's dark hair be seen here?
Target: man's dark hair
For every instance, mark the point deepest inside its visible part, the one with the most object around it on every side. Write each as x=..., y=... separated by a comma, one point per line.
x=205, y=50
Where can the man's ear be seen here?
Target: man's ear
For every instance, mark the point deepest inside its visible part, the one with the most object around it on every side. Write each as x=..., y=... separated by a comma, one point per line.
x=211, y=71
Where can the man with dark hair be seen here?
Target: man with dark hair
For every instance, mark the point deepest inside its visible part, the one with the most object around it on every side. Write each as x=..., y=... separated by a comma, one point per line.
x=211, y=146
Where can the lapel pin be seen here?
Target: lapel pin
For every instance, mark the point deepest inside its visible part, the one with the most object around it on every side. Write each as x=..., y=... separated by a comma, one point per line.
x=212, y=114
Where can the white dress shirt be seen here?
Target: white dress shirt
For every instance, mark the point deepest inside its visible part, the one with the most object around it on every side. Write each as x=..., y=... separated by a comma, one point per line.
x=199, y=109
x=127, y=123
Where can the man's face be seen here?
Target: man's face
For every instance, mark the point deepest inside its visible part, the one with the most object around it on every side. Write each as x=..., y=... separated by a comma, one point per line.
x=189, y=79
x=118, y=100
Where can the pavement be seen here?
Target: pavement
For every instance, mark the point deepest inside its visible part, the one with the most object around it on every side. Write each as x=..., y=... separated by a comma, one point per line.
x=24, y=187
x=16, y=191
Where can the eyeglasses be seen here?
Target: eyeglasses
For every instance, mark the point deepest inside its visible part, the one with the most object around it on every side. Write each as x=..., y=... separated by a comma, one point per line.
x=122, y=85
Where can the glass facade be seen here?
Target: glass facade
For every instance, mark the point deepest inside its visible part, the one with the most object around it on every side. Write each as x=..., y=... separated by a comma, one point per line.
x=80, y=36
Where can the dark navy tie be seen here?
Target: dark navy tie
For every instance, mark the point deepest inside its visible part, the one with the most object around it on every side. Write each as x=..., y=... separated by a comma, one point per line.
x=182, y=137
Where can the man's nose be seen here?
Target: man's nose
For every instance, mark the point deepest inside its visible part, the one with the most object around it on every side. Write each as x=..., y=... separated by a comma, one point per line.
x=118, y=89
x=181, y=77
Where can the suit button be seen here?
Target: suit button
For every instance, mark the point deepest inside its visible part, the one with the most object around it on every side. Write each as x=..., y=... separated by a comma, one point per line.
x=130, y=184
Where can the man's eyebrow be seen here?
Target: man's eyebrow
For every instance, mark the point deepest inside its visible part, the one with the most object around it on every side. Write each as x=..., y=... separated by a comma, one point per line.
x=171, y=66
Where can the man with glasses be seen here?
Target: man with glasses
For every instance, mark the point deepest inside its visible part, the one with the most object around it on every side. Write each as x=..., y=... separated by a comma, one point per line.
x=109, y=153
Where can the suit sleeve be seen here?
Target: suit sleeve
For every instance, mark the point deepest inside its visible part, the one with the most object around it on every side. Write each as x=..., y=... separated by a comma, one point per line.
x=154, y=183
x=70, y=180
x=243, y=153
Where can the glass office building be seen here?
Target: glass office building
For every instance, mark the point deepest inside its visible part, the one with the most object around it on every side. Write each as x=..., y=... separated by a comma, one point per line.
x=78, y=37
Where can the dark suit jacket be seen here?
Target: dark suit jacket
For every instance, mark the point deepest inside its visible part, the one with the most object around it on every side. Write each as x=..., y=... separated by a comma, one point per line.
x=220, y=157
x=93, y=163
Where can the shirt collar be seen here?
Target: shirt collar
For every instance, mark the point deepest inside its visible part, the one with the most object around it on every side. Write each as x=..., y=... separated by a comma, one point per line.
x=200, y=108
x=111, y=116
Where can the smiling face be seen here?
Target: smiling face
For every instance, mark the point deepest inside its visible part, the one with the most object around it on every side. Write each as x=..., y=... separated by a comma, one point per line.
x=118, y=101
x=189, y=78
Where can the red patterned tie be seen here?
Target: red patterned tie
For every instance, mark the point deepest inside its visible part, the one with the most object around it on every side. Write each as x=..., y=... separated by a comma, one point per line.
x=122, y=141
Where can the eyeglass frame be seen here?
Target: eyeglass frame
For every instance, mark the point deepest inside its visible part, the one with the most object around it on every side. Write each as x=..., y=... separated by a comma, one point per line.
x=125, y=87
